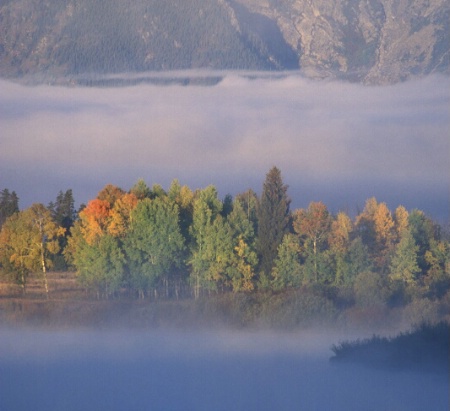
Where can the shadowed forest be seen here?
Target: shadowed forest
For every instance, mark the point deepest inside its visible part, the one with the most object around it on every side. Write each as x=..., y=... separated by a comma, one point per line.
x=248, y=259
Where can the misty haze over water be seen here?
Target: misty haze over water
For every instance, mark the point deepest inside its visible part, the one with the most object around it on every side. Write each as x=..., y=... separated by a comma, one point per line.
x=198, y=370
x=334, y=142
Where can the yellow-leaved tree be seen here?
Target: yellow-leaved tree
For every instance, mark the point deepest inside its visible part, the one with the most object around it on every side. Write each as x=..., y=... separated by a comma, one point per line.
x=28, y=241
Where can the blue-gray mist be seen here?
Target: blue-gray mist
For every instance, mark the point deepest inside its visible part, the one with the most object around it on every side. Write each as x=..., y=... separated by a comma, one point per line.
x=198, y=370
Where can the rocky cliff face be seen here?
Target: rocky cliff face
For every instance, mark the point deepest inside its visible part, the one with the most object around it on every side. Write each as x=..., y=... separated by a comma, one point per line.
x=374, y=41
x=370, y=41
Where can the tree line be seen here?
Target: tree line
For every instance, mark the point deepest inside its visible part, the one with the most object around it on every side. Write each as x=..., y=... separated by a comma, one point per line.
x=149, y=242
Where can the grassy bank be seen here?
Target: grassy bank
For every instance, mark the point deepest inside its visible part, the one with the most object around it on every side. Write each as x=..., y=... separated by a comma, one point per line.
x=70, y=305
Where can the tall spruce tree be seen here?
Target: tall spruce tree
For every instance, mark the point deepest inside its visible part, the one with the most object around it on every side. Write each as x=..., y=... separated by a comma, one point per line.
x=63, y=210
x=273, y=219
x=9, y=204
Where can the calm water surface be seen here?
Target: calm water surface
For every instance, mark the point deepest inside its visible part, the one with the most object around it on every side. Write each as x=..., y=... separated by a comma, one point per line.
x=220, y=370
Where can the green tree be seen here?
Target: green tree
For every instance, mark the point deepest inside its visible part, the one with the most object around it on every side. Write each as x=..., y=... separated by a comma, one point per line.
x=424, y=232
x=437, y=280
x=249, y=202
x=184, y=199
x=100, y=265
x=404, y=266
x=206, y=232
x=157, y=191
x=141, y=190
x=357, y=260
x=240, y=224
x=242, y=271
x=202, y=219
x=154, y=244
x=218, y=254
x=273, y=219
x=245, y=260
x=339, y=242
x=319, y=267
x=287, y=271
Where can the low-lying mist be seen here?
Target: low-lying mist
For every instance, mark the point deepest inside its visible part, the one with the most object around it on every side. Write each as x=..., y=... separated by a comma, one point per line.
x=334, y=142
x=198, y=370
x=205, y=370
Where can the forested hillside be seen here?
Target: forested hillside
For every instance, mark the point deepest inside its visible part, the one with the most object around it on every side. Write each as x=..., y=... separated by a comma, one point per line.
x=175, y=244
x=381, y=41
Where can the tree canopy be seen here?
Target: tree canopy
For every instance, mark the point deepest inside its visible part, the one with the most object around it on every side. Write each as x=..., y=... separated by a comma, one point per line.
x=184, y=242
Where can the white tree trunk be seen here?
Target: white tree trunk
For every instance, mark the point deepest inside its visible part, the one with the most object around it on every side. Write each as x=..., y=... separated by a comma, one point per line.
x=44, y=270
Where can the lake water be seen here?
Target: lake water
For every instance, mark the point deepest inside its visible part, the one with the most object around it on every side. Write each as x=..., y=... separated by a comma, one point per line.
x=202, y=370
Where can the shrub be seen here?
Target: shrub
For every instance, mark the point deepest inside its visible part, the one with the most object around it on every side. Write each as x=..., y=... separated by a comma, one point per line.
x=426, y=348
x=298, y=308
x=370, y=289
x=420, y=311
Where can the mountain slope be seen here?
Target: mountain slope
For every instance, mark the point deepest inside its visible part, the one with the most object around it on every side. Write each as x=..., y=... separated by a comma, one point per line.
x=372, y=41
x=107, y=36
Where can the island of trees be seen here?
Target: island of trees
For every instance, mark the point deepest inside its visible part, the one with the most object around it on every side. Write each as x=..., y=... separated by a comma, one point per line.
x=149, y=243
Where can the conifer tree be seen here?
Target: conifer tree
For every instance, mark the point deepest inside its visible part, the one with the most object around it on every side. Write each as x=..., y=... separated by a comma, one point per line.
x=9, y=204
x=273, y=219
x=63, y=209
x=184, y=199
x=424, y=232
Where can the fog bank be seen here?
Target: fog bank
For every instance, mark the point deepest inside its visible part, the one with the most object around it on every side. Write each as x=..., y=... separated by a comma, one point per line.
x=221, y=370
x=336, y=142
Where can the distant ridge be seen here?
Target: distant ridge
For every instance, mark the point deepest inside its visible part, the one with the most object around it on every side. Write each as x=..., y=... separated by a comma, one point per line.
x=368, y=41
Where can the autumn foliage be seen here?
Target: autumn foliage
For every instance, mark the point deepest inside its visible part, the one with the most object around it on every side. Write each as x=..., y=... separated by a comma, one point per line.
x=151, y=243
x=95, y=219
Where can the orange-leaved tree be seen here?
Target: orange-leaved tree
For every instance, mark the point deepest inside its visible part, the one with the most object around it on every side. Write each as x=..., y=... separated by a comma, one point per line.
x=95, y=219
x=313, y=224
x=121, y=215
